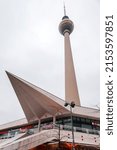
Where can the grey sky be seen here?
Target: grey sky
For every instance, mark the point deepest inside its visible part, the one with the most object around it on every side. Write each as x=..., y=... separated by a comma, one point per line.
x=32, y=48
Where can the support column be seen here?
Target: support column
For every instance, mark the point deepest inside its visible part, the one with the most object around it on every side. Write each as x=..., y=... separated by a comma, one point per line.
x=54, y=121
x=39, y=124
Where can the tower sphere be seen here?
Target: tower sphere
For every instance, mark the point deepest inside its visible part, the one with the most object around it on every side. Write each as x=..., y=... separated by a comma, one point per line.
x=66, y=25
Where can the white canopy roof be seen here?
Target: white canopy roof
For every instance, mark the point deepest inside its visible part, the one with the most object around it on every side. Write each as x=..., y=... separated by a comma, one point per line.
x=35, y=101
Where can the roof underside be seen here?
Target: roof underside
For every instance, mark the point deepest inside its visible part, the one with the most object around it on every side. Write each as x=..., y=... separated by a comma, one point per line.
x=35, y=101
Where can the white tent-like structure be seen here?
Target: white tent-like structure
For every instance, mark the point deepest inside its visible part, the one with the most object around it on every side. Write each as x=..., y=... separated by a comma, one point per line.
x=35, y=101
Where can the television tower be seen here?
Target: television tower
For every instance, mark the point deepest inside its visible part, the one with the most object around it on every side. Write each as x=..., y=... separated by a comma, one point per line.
x=66, y=27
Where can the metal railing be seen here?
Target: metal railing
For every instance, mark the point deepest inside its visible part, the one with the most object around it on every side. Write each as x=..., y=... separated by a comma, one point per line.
x=69, y=128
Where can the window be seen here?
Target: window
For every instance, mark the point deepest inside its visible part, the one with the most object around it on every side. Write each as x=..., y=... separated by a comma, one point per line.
x=88, y=121
x=82, y=120
x=48, y=120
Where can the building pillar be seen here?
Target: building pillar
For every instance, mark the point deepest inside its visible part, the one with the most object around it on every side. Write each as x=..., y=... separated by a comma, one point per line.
x=54, y=121
x=39, y=124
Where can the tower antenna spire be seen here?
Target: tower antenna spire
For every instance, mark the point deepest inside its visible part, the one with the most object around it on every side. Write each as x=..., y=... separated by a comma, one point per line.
x=64, y=9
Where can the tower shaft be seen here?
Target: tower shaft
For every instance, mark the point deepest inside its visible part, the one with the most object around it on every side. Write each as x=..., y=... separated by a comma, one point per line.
x=71, y=90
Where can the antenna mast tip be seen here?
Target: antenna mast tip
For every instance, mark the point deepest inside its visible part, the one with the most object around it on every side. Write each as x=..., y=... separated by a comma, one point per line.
x=64, y=8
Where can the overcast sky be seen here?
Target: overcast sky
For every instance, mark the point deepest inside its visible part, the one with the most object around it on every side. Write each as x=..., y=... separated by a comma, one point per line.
x=32, y=48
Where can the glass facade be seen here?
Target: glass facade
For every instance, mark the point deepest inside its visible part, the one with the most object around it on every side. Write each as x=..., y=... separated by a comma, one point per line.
x=80, y=124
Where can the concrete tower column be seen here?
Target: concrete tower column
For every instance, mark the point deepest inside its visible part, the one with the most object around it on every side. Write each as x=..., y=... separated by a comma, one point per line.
x=71, y=91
